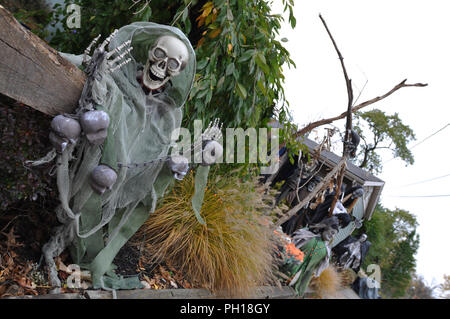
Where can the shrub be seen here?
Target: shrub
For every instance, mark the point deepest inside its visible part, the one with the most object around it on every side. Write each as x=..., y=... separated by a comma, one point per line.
x=231, y=253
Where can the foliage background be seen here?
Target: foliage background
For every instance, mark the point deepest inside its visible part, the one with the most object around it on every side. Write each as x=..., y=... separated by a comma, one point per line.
x=394, y=240
x=380, y=131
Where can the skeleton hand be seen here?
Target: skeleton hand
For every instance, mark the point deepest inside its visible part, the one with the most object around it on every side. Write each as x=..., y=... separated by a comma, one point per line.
x=212, y=151
x=213, y=131
x=100, y=59
x=64, y=130
x=207, y=143
x=179, y=166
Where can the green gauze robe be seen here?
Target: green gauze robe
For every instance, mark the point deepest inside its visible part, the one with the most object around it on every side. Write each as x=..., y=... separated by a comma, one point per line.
x=315, y=251
x=141, y=130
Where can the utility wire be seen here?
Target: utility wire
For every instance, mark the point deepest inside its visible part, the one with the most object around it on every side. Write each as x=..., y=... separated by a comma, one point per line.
x=430, y=136
x=426, y=138
x=420, y=196
x=424, y=181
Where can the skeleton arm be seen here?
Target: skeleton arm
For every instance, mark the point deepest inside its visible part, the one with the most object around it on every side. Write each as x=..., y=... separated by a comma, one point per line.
x=66, y=129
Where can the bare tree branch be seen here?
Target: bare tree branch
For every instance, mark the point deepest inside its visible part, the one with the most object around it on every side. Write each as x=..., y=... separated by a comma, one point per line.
x=348, y=82
x=348, y=124
x=313, y=125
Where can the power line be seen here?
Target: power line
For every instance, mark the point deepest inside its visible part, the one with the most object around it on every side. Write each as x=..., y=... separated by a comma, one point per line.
x=425, y=181
x=426, y=138
x=430, y=136
x=420, y=196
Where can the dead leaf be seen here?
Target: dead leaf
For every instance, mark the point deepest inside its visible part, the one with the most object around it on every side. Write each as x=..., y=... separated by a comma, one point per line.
x=13, y=290
x=26, y=283
x=165, y=273
x=186, y=284
x=141, y=267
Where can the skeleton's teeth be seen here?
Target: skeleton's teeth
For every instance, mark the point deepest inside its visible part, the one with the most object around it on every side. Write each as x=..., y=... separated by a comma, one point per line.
x=157, y=74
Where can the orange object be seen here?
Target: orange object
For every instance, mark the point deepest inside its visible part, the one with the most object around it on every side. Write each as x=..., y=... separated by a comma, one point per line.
x=294, y=251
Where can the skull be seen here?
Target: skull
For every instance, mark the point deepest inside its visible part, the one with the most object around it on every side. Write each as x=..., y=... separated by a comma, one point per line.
x=179, y=166
x=167, y=58
x=358, y=192
x=102, y=178
x=212, y=151
x=329, y=234
x=65, y=130
x=95, y=125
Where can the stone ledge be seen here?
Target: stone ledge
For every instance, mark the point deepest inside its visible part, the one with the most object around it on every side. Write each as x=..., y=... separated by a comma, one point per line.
x=263, y=292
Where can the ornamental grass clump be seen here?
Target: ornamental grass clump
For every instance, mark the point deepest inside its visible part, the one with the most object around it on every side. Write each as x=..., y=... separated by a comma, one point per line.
x=328, y=282
x=348, y=276
x=229, y=255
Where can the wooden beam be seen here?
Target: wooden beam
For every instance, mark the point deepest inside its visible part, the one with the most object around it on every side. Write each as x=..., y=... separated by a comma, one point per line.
x=33, y=73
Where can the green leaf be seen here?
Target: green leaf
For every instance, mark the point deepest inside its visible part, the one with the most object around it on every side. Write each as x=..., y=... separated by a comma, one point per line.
x=229, y=14
x=202, y=94
x=187, y=26
x=219, y=3
x=201, y=64
x=261, y=87
x=246, y=56
x=261, y=62
x=146, y=14
x=185, y=14
x=220, y=83
x=208, y=97
x=293, y=21
x=241, y=90
x=230, y=69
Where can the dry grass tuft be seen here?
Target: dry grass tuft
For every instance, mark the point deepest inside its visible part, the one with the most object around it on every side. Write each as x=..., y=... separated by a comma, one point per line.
x=231, y=253
x=348, y=276
x=328, y=283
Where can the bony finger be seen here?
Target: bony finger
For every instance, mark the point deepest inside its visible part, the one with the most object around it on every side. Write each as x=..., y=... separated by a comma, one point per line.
x=108, y=39
x=120, y=65
x=93, y=42
x=86, y=56
x=121, y=56
x=118, y=49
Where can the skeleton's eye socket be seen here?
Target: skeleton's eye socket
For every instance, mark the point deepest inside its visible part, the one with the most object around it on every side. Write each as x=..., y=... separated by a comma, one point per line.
x=159, y=53
x=173, y=64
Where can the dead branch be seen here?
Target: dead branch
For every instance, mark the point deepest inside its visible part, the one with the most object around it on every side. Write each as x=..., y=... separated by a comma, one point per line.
x=348, y=81
x=348, y=114
x=309, y=127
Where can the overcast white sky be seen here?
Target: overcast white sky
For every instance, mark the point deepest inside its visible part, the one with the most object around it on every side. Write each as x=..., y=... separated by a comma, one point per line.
x=385, y=42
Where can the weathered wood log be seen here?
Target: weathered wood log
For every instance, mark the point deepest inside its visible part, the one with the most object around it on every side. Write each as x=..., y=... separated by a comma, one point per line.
x=33, y=73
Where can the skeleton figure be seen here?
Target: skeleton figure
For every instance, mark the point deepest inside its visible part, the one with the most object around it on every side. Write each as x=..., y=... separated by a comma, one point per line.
x=138, y=80
x=316, y=249
x=352, y=146
x=353, y=254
